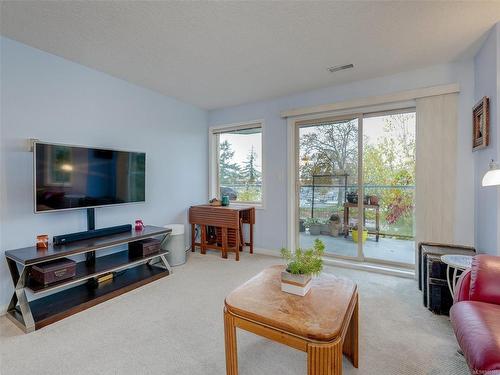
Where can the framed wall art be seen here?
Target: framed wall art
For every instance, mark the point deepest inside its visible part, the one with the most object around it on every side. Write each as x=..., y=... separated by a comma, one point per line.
x=481, y=124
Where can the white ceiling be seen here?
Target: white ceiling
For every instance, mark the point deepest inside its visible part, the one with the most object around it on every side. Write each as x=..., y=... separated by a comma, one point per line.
x=217, y=54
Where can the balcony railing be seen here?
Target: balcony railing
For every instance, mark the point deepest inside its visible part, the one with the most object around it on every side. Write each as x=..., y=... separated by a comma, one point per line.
x=396, y=206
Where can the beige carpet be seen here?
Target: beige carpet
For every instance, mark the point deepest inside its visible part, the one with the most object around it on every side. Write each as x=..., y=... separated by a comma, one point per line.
x=174, y=326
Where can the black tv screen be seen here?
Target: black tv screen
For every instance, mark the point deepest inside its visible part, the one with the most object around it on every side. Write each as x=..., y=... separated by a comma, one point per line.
x=70, y=177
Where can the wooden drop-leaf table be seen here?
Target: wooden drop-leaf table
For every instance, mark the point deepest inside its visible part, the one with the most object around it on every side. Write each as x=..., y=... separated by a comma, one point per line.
x=228, y=222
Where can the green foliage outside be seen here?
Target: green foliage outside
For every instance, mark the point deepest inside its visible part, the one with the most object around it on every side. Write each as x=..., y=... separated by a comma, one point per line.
x=250, y=174
x=228, y=170
x=244, y=179
x=249, y=194
x=391, y=162
x=330, y=148
x=314, y=220
x=305, y=262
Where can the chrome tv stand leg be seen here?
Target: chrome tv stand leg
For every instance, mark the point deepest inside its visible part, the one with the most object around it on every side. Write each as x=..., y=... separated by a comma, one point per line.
x=19, y=310
x=166, y=264
x=161, y=262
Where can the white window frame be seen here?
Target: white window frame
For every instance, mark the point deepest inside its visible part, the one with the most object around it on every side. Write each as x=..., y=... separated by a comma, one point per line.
x=213, y=160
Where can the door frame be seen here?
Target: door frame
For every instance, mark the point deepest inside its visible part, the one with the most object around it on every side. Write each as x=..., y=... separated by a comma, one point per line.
x=293, y=124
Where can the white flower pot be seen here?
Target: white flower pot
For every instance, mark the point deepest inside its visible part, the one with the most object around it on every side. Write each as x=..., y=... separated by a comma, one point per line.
x=295, y=284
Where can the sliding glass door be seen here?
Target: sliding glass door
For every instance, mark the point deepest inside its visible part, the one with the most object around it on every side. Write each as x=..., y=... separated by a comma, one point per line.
x=328, y=166
x=389, y=179
x=355, y=185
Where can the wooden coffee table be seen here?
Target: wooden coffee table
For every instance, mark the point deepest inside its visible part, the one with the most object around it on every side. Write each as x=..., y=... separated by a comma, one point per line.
x=324, y=323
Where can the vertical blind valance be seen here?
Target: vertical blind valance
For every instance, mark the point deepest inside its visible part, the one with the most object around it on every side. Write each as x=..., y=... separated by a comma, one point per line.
x=240, y=129
x=437, y=125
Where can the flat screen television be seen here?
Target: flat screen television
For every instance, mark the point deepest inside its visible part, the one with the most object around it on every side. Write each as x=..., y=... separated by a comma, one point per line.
x=72, y=177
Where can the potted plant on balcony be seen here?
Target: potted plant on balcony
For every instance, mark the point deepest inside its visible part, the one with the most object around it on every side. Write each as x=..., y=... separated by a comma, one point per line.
x=301, y=265
x=314, y=225
x=334, y=225
x=352, y=197
x=325, y=226
x=355, y=234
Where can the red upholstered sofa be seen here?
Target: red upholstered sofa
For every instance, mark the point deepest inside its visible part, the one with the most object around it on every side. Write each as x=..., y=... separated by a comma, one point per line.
x=475, y=315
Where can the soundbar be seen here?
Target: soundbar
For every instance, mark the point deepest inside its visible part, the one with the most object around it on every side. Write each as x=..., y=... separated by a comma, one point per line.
x=64, y=239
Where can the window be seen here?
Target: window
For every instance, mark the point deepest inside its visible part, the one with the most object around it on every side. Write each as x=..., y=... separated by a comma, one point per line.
x=237, y=163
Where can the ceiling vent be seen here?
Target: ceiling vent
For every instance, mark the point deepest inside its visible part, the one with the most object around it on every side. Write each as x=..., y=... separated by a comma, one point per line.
x=337, y=68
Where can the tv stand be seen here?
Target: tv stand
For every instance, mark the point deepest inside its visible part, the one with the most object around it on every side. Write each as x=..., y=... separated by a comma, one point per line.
x=78, y=294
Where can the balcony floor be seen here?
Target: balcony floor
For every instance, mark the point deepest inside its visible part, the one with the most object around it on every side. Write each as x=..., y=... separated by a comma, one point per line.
x=387, y=249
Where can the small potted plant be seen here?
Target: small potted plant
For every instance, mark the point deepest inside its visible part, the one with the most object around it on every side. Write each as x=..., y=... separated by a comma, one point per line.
x=355, y=234
x=301, y=265
x=314, y=225
x=352, y=197
x=334, y=225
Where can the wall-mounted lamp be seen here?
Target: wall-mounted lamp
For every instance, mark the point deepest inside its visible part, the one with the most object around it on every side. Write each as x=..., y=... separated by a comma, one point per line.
x=492, y=177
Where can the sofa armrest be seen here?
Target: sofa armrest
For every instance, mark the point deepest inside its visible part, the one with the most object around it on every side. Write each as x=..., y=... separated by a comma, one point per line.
x=462, y=289
x=484, y=281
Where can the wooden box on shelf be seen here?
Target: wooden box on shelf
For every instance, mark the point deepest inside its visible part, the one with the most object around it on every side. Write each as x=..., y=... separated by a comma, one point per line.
x=53, y=271
x=142, y=248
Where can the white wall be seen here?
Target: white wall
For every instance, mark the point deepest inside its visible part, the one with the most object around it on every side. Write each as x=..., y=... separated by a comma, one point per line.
x=52, y=99
x=271, y=228
x=487, y=75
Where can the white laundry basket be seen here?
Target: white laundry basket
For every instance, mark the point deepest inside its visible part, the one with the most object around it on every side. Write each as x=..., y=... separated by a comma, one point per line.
x=176, y=245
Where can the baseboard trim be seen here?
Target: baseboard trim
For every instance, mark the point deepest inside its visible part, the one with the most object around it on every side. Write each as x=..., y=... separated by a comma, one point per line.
x=269, y=252
x=363, y=266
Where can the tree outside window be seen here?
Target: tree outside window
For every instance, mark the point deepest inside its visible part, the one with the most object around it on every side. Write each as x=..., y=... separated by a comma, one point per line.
x=240, y=164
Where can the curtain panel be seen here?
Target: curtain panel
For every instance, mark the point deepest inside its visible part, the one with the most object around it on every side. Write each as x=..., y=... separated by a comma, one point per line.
x=436, y=154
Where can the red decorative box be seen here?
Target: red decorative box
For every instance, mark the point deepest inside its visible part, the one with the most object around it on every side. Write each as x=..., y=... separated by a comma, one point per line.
x=53, y=271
